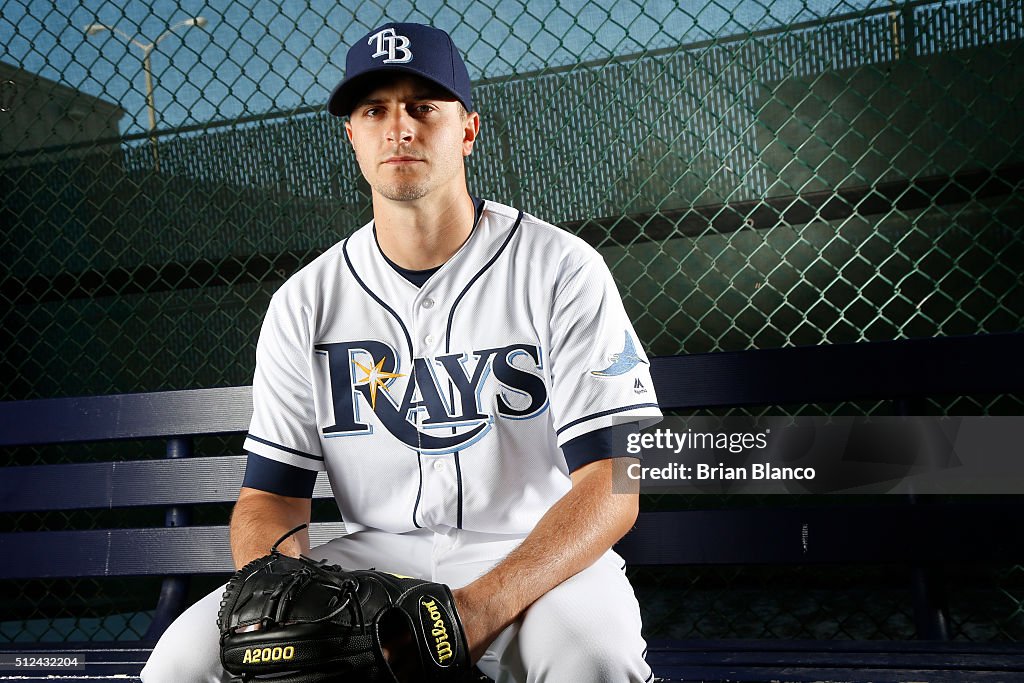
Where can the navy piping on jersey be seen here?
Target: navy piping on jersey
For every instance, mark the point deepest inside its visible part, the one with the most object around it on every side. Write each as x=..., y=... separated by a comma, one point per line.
x=408, y=340
x=478, y=206
x=472, y=281
x=278, y=446
x=284, y=479
x=348, y=261
x=419, y=489
x=606, y=412
x=458, y=460
x=458, y=480
x=448, y=339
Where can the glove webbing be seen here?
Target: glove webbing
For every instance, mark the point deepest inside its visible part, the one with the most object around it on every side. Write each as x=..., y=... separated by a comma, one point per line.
x=281, y=596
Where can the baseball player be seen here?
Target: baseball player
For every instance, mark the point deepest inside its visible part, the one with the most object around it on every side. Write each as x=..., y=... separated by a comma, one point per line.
x=455, y=366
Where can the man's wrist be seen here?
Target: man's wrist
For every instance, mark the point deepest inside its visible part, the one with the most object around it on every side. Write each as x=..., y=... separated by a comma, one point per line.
x=480, y=610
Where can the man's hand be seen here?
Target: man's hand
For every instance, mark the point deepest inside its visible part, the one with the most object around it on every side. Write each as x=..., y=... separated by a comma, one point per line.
x=572, y=535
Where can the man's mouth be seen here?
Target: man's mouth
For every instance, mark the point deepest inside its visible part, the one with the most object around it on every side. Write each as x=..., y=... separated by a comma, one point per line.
x=402, y=159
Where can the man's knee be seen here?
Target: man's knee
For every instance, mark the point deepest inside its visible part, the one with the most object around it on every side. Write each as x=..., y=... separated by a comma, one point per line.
x=174, y=663
x=585, y=629
x=189, y=650
x=586, y=652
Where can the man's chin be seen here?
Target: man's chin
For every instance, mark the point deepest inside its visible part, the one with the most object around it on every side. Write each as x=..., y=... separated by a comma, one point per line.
x=402, y=193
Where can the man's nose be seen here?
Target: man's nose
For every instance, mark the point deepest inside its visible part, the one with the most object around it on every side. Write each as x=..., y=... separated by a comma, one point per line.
x=399, y=129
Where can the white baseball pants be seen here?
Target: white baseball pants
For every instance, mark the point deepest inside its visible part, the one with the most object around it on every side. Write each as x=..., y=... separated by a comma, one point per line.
x=586, y=629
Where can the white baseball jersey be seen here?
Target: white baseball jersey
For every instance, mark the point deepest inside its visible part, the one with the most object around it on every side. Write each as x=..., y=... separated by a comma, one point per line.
x=446, y=405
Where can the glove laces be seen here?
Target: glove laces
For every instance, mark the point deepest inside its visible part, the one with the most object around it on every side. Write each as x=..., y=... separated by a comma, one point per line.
x=311, y=570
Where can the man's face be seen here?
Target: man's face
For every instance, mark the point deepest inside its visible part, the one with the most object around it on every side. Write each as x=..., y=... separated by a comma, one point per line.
x=410, y=138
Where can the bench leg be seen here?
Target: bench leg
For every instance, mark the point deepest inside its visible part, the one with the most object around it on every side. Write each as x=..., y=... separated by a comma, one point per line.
x=174, y=590
x=931, y=614
x=173, y=593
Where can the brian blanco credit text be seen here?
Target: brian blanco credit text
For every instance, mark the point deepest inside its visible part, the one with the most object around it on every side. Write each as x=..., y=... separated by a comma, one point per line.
x=705, y=472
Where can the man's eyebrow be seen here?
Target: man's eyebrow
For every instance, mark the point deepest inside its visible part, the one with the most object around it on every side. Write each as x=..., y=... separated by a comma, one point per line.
x=416, y=97
x=368, y=100
x=432, y=95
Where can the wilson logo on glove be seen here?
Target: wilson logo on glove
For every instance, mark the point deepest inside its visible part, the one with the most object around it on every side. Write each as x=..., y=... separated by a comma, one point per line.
x=434, y=624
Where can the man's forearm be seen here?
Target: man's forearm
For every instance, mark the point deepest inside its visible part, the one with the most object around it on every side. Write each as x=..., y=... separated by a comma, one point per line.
x=571, y=536
x=259, y=519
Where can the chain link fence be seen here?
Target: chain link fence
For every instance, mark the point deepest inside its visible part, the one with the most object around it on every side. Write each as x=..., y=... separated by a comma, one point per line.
x=755, y=174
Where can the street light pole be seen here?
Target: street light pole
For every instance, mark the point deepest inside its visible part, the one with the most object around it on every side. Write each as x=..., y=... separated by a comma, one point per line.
x=147, y=65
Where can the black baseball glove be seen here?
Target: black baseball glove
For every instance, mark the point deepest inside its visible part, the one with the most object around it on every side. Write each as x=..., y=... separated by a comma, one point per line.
x=302, y=621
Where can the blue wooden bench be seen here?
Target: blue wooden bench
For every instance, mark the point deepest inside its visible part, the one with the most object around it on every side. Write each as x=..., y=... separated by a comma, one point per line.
x=919, y=534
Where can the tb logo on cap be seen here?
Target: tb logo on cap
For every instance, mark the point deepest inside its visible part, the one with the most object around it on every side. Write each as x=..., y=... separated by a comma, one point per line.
x=391, y=44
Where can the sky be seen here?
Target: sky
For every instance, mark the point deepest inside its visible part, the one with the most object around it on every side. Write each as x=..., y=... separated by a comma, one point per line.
x=259, y=56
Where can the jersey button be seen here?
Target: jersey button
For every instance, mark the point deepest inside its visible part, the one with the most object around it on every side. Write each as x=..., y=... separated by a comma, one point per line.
x=429, y=340
x=428, y=303
x=438, y=465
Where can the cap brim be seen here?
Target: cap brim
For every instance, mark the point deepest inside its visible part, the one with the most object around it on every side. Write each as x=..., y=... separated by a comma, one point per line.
x=342, y=99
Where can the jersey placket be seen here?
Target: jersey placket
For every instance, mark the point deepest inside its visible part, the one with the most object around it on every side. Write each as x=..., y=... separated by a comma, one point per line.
x=438, y=501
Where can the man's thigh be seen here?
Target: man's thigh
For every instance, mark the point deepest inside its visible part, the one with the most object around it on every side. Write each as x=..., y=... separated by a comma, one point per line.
x=588, y=629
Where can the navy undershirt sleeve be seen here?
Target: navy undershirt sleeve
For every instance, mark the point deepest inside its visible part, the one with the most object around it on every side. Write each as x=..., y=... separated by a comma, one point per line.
x=276, y=477
x=594, y=446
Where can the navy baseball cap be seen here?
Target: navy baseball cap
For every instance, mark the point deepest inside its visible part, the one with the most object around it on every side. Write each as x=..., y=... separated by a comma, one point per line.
x=407, y=48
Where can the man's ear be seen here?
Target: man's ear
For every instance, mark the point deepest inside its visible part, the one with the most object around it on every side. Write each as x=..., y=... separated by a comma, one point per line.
x=348, y=130
x=471, y=130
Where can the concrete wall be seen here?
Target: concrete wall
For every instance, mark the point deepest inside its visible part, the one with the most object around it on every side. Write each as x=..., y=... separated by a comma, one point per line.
x=39, y=113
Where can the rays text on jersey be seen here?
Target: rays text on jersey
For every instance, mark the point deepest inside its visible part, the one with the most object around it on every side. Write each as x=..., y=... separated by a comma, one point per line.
x=439, y=405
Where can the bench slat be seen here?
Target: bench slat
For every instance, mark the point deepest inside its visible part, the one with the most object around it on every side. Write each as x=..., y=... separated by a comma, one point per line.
x=831, y=372
x=883, y=658
x=863, y=534
x=728, y=646
x=84, y=486
x=693, y=673
x=984, y=364
x=127, y=552
x=191, y=412
x=883, y=533
x=833, y=660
